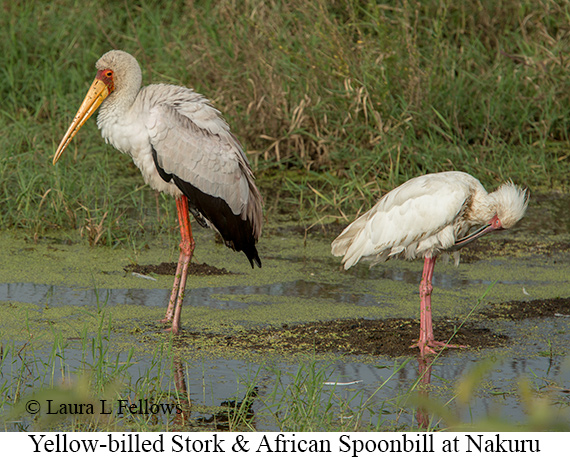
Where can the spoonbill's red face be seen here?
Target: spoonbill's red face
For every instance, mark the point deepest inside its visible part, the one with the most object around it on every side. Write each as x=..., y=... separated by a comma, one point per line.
x=495, y=223
x=492, y=225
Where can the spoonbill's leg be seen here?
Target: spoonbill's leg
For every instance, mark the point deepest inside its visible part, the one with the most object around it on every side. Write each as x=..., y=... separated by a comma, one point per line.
x=427, y=342
x=186, y=249
x=426, y=326
x=426, y=287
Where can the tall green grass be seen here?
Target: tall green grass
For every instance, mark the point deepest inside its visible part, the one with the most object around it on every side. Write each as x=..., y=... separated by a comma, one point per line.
x=335, y=101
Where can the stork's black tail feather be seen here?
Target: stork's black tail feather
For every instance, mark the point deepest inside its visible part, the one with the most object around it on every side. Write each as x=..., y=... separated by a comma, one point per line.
x=236, y=232
x=253, y=256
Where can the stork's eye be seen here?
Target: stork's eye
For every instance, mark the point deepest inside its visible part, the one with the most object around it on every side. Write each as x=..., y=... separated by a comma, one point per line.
x=109, y=73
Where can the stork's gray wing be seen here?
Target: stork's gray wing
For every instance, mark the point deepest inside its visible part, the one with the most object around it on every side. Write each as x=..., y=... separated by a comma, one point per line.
x=194, y=143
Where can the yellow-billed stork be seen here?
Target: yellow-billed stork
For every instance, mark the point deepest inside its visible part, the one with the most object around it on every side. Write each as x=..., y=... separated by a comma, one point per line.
x=183, y=147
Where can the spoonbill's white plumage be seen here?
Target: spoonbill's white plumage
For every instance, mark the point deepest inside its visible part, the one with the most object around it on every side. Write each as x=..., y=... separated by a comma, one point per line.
x=426, y=216
x=183, y=147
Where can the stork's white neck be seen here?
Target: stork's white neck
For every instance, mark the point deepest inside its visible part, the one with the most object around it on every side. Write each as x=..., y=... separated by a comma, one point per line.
x=120, y=101
x=117, y=105
x=114, y=113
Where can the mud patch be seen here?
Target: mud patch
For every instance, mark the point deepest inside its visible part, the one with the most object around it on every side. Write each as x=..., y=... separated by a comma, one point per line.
x=377, y=337
x=519, y=310
x=388, y=337
x=169, y=269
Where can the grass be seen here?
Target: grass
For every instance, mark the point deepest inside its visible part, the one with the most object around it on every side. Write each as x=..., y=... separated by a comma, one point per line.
x=336, y=102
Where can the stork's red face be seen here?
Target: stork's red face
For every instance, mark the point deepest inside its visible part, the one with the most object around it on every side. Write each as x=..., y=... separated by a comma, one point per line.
x=102, y=86
x=106, y=77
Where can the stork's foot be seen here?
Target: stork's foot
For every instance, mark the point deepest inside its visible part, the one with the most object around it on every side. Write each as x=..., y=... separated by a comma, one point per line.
x=432, y=346
x=173, y=329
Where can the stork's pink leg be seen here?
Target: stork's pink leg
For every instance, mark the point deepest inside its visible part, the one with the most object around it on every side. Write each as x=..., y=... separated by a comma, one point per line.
x=427, y=342
x=186, y=249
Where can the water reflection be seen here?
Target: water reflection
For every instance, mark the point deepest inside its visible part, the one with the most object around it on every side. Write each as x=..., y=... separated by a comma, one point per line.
x=236, y=394
x=50, y=295
x=210, y=297
x=183, y=397
x=424, y=380
x=385, y=387
x=214, y=297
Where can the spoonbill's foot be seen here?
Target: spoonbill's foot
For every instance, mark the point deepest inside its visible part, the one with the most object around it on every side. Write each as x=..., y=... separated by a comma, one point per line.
x=444, y=345
x=432, y=346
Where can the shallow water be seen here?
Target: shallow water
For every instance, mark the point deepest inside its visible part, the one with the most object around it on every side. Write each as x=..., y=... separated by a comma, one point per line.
x=300, y=282
x=51, y=295
x=352, y=383
x=212, y=381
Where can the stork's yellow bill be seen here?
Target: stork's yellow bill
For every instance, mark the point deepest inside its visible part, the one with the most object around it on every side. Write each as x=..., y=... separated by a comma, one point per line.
x=100, y=89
